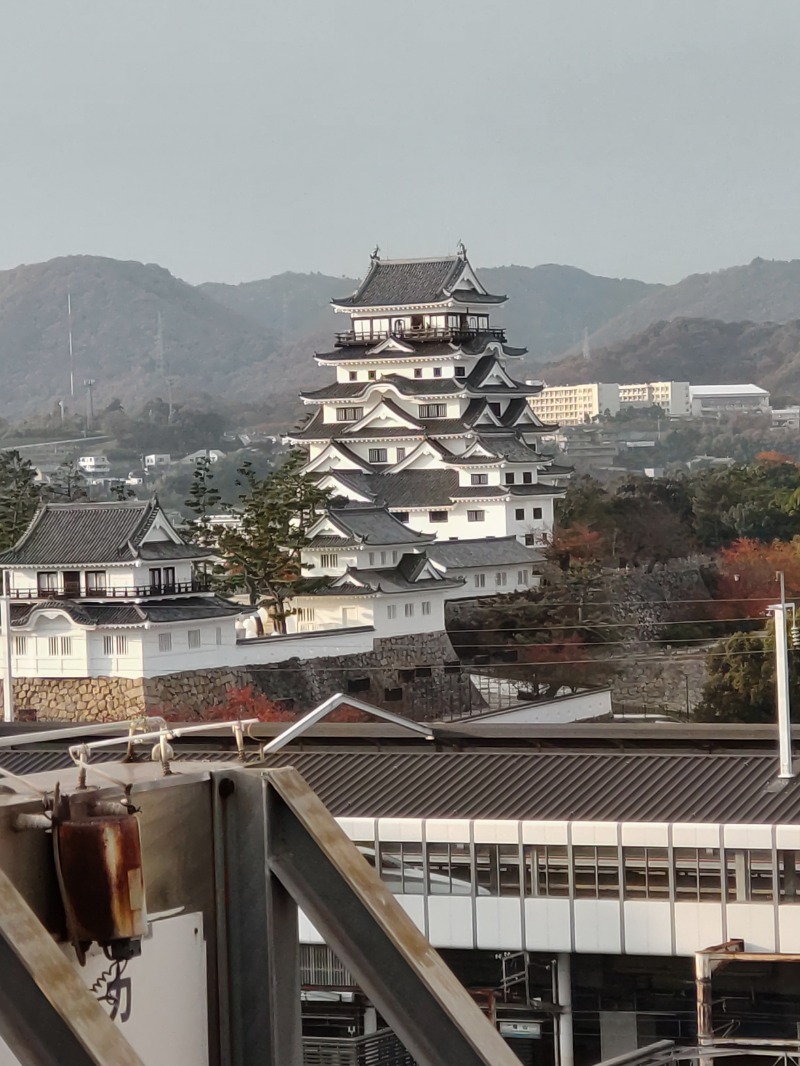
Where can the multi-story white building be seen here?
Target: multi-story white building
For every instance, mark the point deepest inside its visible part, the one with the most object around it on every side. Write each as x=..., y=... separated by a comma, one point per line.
x=111, y=589
x=672, y=396
x=426, y=422
x=712, y=400
x=571, y=405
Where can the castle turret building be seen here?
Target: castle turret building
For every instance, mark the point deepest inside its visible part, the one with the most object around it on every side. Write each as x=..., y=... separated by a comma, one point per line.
x=425, y=415
x=426, y=420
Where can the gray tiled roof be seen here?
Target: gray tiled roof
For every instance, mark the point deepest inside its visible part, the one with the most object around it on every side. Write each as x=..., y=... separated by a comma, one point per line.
x=473, y=346
x=370, y=524
x=185, y=609
x=497, y=551
x=404, y=282
x=345, y=390
x=83, y=534
x=318, y=429
x=404, y=577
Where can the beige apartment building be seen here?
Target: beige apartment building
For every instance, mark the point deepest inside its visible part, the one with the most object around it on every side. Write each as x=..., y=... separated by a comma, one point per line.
x=673, y=396
x=571, y=405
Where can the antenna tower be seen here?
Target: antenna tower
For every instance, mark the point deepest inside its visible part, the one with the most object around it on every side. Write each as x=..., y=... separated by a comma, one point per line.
x=71, y=352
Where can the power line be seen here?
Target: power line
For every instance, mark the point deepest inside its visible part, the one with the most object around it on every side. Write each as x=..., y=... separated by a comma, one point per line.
x=510, y=666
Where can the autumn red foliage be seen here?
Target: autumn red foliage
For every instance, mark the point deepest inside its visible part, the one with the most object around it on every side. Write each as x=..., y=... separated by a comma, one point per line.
x=775, y=457
x=748, y=582
x=239, y=703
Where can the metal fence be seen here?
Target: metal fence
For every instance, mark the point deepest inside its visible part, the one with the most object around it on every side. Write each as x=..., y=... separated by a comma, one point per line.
x=381, y=1048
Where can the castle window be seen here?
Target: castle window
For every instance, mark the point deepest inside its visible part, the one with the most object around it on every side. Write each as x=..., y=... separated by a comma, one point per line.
x=433, y=410
x=20, y=645
x=408, y=610
x=476, y=516
x=353, y=375
x=95, y=581
x=426, y=606
x=401, y=454
x=537, y=512
x=402, y=516
x=194, y=638
x=165, y=642
x=527, y=478
x=522, y=577
x=437, y=516
x=500, y=578
x=509, y=479
x=371, y=375
x=480, y=581
x=218, y=636
x=519, y=514
x=461, y=371
x=378, y=455
x=417, y=371
x=349, y=414
x=47, y=583
x=479, y=479
x=391, y=611
x=437, y=371
x=328, y=561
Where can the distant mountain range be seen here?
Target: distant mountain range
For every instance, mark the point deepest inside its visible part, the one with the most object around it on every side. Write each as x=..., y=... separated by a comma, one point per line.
x=700, y=350
x=254, y=342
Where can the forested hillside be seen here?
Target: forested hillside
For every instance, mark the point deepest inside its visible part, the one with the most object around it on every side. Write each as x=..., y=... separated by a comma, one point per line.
x=255, y=341
x=697, y=350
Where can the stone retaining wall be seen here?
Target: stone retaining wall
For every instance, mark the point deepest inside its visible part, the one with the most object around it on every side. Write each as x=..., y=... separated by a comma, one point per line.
x=405, y=674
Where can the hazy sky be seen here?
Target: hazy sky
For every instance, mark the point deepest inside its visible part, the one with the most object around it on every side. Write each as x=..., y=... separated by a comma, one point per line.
x=233, y=139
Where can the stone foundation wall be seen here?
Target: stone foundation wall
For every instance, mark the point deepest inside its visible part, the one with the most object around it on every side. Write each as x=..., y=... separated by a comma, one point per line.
x=404, y=674
x=672, y=683
x=69, y=699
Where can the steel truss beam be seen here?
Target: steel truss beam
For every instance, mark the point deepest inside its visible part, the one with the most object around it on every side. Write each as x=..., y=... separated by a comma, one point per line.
x=47, y=1015
x=277, y=847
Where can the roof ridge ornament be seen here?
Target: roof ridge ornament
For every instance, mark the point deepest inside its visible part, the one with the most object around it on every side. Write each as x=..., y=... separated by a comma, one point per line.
x=461, y=250
x=375, y=257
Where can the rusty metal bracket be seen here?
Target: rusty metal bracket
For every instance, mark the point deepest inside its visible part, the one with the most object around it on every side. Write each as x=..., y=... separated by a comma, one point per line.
x=47, y=1015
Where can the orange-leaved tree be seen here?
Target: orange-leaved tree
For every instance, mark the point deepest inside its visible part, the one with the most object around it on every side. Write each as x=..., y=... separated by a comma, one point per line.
x=748, y=581
x=238, y=703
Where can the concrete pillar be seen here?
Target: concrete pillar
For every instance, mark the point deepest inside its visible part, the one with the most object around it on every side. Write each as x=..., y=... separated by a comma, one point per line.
x=564, y=993
x=370, y=1021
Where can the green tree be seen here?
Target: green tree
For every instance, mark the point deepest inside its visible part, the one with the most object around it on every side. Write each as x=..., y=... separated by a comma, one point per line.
x=741, y=680
x=19, y=496
x=67, y=484
x=263, y=551
x=204, y=499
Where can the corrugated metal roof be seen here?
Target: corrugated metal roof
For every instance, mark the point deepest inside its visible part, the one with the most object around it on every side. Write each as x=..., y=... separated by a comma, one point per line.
x=555, y=786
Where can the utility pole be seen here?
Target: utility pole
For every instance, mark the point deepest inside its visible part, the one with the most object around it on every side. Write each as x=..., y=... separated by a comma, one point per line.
x=71, y=353
x=8, y=675
x=89, y=384
x=782, y=683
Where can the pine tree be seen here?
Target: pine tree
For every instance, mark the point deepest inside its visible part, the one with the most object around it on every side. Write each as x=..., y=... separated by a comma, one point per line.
x=276, y=514
x=19, y=496
x=204, y=500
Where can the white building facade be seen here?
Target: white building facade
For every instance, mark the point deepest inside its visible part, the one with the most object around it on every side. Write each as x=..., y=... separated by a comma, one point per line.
x=572, y=405
x=710, y=401
x=112, y=590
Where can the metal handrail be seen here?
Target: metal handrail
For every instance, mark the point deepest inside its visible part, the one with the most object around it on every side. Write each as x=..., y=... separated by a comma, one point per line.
x=438, y=333
x=123, y=592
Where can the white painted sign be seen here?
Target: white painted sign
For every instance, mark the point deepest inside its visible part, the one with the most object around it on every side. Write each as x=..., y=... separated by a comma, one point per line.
x=158, y=1000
